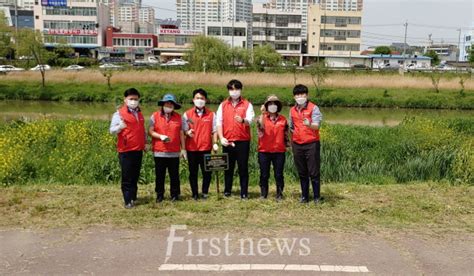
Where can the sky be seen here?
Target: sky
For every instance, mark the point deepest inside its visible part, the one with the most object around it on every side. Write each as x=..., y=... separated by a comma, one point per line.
x=383, y=20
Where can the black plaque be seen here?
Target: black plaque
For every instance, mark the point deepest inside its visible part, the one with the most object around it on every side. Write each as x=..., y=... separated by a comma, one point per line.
x=216, y=162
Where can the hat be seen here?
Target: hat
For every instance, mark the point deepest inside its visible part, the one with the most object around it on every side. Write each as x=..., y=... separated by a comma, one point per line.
x=273, y=98
x=169, y=98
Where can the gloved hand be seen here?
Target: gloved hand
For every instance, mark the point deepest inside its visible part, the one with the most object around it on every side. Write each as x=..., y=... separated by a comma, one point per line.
x=164, y=138
x=121, y=125
x=306, y=122
x=190, y=133
x=215, y=147
x=224, y=142
x=184, y=154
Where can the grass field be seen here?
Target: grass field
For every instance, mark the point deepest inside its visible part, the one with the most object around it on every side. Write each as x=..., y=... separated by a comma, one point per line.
x=425, y=207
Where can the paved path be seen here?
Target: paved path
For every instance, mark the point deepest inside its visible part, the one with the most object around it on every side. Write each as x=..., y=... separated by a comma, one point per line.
x=108, y=251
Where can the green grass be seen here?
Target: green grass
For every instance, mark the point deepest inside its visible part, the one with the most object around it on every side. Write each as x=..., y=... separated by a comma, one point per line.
x=83, y=152
x=426, y=207
x=330, y=97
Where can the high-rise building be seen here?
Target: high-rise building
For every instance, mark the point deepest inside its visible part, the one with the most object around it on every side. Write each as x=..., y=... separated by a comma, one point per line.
x=195, y=13
x=341, y=5
x=21, y=4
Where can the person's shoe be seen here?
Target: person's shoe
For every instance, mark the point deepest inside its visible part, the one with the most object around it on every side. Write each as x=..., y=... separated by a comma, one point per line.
x=244, y=197
x=227, y=194
x=129, y=205
x=317, y=201
x=279, y=197
x=159, y=199
x=133, y=202
x=205, y=196
x=195, y=197
x=263, y=197
x=174, y=198
x=304, y=200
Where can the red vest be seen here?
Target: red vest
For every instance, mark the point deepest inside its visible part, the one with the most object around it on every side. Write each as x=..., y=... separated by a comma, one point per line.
x=272, y=138
x=171, y=128
x=131, y=138
x=301, y=133
x=202, y=126
x=233, y=130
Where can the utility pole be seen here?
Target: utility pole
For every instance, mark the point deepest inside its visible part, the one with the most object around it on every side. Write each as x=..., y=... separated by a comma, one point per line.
x=405, y=42
x=459, y=46
x=233, y=22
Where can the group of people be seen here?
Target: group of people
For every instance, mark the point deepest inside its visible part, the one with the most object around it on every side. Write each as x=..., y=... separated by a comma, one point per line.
x=199, y=131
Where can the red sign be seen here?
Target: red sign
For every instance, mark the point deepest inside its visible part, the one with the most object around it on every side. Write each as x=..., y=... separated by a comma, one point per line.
x=71, y=32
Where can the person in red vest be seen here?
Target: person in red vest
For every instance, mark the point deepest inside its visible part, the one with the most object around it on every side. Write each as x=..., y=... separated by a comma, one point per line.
x=199, y=126
x=234, y=117
x=129, y=126
x=305, y=120
x=167, y=136
x=272, y=131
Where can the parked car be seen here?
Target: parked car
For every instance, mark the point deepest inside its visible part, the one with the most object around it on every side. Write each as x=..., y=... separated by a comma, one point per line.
x=360, y=67
x=73, y=68
x=41, y=67
x=175, y=62
x=9, y=68
x=110, y=66
x=114, y=60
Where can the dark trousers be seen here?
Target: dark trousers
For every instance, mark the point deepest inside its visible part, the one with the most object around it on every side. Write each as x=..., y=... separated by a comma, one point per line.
x=239, y=154
x=308, y=163
x=196, y=160
x=266, y=159
x=172, y=164
x=130, y=163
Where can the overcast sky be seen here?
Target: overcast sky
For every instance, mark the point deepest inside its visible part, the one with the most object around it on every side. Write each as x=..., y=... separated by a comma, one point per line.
x=383, y=19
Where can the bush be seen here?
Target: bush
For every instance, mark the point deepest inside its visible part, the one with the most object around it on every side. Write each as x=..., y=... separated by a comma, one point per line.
x=82, y=151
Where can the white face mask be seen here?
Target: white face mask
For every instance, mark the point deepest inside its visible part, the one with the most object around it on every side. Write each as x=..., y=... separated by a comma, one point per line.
x=273, y=108
x=234, y=94
x=199, y=103
x=167, y=109
x=132, y=104
x=300, y=100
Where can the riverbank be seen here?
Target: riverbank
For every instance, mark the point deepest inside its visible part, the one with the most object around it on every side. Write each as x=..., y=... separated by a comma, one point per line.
x=71, y=90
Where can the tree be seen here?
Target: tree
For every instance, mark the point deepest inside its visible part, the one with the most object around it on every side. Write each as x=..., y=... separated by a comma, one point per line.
x=241, y=56
x=5, y=37
x=318, y=72
x=210, y=53
x=265, y=56
x=30, y=43
x=382, y=50
x=471, y=56
x=434, y=57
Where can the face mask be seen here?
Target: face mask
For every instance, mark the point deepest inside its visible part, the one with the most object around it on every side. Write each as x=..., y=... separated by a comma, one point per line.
x=132, y=104
x=168, y=109
x=199, y=103
x=273, y=108
x=234, y=94
x=301, y=100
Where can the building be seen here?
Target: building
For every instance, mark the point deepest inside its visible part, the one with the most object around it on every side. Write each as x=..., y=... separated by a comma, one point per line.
x=21, y=4
x=334, y=32
x=280, y=29
x=223, y=31
x=446, y=52
x=174, y=42
x=300, y=6
x=467, y=42
x=400, y=61
x=194, y=14
x=128, y=13
x=25, y=18
x=132, y=46
x=77, y=23
x=341, y=5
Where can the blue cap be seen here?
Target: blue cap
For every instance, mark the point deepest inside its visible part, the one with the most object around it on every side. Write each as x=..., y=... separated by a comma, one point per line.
x=169, y=98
